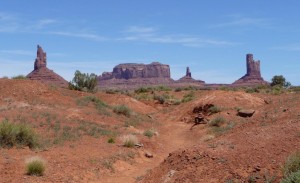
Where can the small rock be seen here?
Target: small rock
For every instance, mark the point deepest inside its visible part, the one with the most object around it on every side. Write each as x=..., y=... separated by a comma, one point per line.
x=148, y=155
x=246, y=113
x=139, y=145
x=257, y=168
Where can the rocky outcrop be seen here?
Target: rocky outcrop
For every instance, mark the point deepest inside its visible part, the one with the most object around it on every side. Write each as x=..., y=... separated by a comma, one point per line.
x=42, y=73
x=132, y=75
x=133, y=71
x=187, y=79
x=253, y=75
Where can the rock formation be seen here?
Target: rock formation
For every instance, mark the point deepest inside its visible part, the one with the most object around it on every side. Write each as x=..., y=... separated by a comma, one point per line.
x=132, y=71
x=131, y=75
x=253, y=75
x=42, y=73
x=187, y=79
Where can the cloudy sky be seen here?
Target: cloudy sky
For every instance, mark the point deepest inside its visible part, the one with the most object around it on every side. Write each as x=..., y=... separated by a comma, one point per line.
x=211, y=37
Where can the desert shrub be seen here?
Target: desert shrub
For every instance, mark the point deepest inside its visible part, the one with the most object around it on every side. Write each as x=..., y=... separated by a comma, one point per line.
x=292, y=164
x=12, y=134
x=143, y=96
x=129, y=140
x=218, y=121
x=176, y=102
x=111, y=91
x=252, y=90
x=142, y=90
x=19, y=77
x=99, y=104
x=149, y=133
x=276, y=90
x=292, y=178
x=162, y=88
x=214, y=109
x=122, y=109
x=178, y=89
x=83, y=82
x=111, y=140
x=295, y=88
x=193, y=88
x=160, y=98
x=35, y=166
x=188, y=97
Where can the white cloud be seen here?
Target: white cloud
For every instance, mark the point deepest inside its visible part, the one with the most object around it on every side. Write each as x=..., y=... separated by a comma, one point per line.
x=293, y=47
x=138, y=29
x=90, y=36
x=241, y=21
x=17, y=52
x=150, y=34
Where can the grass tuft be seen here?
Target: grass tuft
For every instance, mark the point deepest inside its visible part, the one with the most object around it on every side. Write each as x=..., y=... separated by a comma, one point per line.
x=218, y=121
x=129, y=140
x=35, y=166
x=122, y=109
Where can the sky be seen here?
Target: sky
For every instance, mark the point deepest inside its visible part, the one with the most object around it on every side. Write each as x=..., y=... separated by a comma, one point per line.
x=212, y=37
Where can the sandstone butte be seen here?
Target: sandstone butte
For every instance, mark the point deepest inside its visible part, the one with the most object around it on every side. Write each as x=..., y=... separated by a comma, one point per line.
x=253, y=75
x=42, y=73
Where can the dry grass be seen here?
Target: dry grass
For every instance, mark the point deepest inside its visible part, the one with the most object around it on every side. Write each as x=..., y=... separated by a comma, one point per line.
x=35, y=166
x=129, y=140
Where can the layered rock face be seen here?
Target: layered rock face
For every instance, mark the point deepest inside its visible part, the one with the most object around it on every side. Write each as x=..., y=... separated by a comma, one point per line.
x=253, y=75
x=42, y=73
x=133, y=75
x=187, y=79
x=132, y=71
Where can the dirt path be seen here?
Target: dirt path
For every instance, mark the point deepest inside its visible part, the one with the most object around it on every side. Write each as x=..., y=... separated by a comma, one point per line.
x=172, y=136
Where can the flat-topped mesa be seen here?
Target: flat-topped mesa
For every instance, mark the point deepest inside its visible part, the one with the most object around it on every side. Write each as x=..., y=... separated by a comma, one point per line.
x=41, y=58
x=42, y=73
x=135, y=71
x=132, y=75
x=188, y=78
x=253, y=75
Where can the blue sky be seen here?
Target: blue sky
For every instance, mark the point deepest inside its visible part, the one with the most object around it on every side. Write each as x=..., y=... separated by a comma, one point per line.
x=212, y=37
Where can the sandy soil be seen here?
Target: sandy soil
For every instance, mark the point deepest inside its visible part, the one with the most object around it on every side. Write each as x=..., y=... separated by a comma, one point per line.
x=74, y=135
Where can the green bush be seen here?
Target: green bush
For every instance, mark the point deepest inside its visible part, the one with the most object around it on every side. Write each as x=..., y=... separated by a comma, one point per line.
x=188, y=97
x=178, y=89
x=218, y=121
x=279, y=80
x=161, y=99
x=149, y=133
x=83, y=82
x=292, y=164
x=17, y=135
x=19, y=77
x=99, y=104
x=142, y=90
x=214, y=109
x=252, y=90
x=122, y=109
x=111, y=140
x=35, y=166
x=292, y=178
x=162, y=88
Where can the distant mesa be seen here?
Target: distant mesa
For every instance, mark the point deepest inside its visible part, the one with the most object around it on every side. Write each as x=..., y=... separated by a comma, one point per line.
x=187, y=79
x=253, y=75
x=42, y=73
x=134, y=71
x=130, y=75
